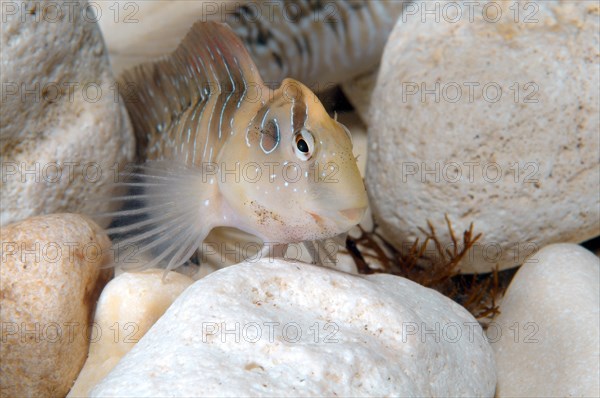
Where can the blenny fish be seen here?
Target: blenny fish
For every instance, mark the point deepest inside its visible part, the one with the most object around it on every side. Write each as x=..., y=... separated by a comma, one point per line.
x=222, y=149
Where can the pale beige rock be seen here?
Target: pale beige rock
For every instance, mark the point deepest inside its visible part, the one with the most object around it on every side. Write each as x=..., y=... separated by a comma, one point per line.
x=50, y=279
x=276, y=328
x=546, y=339
x=524, y=169
x=128, y=306
x=63, y=128
x=137, y=32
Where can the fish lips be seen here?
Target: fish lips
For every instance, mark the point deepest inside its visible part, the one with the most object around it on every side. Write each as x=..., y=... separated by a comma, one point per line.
x=343, y=219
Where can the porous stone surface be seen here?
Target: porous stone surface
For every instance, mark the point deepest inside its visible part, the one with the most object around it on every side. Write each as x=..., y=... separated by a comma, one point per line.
x=546, y=339
x=50, y=278
x=489, y=121
x=64, y=130
x=128, y=306
x=277, y=328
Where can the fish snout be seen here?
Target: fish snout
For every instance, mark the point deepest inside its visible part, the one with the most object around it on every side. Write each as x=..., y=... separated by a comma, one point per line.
x=353, y=215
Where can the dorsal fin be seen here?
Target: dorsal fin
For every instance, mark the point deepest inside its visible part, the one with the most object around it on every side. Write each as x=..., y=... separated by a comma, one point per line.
x=211, y=60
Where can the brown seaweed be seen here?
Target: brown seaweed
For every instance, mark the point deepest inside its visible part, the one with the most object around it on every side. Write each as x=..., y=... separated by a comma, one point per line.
x=478, y=293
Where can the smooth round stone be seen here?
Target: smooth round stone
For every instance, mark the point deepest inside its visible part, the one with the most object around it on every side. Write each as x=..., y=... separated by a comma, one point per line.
x=65, y=133
x=546, y=339
x=277, y=328
x=127, y=308
x=492, y=122
x=50, y=278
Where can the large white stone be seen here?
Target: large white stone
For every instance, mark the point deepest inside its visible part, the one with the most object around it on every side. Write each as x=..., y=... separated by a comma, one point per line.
x=523, y=167
x=547, y=337
x=137, y=32
x=288, y=329
x=128, y=306
x=63, y=129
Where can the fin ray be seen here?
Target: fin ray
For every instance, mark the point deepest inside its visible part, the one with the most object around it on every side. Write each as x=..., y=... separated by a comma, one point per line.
x=159, y=223
x=210, y=61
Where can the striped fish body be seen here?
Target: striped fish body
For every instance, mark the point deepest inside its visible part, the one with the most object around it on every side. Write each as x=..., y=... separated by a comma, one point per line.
x=222, y=149
x=320, y=43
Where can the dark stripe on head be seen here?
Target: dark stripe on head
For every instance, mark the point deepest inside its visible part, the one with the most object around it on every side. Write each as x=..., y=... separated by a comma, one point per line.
x=299, y=113
x=270, y=136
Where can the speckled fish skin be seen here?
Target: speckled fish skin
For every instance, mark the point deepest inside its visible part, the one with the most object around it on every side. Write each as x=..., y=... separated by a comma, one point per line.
x=222, y=149
x=320, y=43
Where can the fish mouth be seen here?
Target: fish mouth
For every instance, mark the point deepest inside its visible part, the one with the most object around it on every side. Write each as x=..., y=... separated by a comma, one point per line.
x=353, y=215
x=346, y=217
x=318, y=219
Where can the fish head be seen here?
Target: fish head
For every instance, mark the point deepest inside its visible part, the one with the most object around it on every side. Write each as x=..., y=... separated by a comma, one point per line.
x=298, y=175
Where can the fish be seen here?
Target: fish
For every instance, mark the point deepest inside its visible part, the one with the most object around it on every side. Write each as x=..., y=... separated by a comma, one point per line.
x=218, y=148
x=320, y=43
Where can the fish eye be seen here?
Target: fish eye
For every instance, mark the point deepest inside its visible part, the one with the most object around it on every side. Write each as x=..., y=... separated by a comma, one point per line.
x=304, y=144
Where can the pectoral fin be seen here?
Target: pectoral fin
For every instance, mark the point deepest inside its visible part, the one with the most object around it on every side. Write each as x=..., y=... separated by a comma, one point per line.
x=160, y=223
